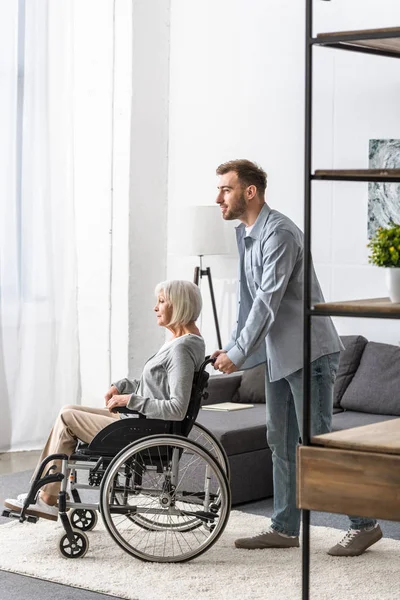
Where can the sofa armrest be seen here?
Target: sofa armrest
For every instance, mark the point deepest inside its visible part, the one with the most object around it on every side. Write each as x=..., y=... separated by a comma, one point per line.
x=222, y=388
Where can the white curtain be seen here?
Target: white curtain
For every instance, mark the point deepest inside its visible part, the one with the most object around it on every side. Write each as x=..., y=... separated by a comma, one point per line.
x=65, y=80
x=39, y=351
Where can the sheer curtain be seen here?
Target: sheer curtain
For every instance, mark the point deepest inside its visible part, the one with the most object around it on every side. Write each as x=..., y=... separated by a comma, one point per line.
x=65, y=103
x=39, y=350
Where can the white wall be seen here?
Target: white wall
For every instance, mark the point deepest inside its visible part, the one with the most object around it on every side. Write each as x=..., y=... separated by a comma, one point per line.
x=237, y=91
x=148, y=173
x=364, y=93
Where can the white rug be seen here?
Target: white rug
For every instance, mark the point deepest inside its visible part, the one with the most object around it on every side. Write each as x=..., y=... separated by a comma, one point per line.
x=222, y=573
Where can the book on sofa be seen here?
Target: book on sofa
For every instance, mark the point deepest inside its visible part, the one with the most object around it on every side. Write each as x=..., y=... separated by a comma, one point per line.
x=227, y=406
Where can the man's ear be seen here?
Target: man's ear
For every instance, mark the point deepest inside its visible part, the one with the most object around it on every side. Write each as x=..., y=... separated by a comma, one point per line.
x=251, y=192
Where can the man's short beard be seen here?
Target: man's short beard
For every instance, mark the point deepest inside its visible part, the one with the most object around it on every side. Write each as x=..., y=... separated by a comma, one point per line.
x=238, y=210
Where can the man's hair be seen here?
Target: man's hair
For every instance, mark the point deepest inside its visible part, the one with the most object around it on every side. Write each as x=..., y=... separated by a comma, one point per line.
x=248, y=173
x=185, y=299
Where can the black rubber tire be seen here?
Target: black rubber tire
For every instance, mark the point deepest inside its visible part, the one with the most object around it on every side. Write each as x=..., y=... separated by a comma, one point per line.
x=83, y=519
x=144, y=554
x=68, y=551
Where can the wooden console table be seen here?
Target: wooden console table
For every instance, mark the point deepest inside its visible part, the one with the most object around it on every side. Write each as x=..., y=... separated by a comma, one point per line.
x=355, y=471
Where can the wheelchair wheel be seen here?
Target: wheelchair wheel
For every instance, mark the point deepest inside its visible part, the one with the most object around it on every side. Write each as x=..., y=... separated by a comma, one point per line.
x=207, y=440
x=176, y=504
x=76, y=550
x=83, y=519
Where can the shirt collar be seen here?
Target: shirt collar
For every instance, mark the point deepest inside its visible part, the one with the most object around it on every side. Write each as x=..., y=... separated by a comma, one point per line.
x=262, y=218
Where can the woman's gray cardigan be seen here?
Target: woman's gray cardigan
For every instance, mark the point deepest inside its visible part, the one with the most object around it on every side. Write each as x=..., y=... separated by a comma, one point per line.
x=163, y=391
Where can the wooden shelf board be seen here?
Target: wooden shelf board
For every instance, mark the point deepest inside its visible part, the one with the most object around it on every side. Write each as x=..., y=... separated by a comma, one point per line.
x=348, y=482
x=383, y=437
x=358, y=174
x=373, y=305
x=389, y=42
x=355, y=471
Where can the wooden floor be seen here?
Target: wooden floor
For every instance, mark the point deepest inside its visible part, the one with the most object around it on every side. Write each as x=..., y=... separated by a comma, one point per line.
x=15, y=462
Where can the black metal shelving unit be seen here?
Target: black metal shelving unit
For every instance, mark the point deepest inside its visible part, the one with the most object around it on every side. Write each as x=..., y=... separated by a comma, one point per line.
x=380, y=42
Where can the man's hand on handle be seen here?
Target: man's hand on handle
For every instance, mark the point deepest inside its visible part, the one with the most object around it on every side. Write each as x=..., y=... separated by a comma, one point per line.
x=223, y=363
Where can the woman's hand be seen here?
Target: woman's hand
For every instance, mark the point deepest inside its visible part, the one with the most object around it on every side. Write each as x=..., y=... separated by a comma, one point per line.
x=118, y=400
x=111, y=392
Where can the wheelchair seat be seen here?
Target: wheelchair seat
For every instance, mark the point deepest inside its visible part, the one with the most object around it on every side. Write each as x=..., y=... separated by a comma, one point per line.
x=116, y=436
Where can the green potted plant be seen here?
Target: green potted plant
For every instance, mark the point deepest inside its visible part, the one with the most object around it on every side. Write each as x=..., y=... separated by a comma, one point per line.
x=385, y=252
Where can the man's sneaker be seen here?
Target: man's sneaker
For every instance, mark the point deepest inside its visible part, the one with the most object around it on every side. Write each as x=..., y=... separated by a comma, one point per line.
x=356, y=541
x=39, y=509
x=268, y=539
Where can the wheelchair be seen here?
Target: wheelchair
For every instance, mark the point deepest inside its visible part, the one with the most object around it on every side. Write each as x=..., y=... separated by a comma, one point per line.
x=163, y=486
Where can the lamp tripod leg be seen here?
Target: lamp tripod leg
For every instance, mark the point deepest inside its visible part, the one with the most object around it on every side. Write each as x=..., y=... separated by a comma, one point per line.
x=198, y=273
x=208, y=271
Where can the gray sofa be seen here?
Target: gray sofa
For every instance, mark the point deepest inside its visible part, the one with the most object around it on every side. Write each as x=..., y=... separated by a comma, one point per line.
x=367, y=390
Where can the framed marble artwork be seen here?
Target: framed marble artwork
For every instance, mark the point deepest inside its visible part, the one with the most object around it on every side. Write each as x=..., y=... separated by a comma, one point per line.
x=383, y=198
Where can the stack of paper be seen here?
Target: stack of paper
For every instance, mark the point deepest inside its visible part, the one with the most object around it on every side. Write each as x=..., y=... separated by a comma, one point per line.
x=227, y=406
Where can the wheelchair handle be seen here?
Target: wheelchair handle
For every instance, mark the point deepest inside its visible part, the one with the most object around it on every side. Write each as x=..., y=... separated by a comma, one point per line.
x=208, y=361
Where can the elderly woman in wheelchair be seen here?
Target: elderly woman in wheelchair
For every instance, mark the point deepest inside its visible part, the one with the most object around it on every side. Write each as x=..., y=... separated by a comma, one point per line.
x=163, y=479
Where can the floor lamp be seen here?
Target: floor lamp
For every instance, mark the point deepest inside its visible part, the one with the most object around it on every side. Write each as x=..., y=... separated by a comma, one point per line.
x=205, y=236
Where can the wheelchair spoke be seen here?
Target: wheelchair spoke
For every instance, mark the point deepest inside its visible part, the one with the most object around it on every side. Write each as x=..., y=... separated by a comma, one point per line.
x=165, y=509
x=207, y=440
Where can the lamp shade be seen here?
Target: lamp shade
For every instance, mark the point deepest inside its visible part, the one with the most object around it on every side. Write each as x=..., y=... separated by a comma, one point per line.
x=201, y=232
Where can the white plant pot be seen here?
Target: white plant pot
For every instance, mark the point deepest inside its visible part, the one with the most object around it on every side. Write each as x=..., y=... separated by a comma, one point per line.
x=393, y=283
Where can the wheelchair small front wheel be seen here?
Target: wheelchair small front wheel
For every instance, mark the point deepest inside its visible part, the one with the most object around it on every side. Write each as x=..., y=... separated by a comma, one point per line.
x=83, y=519
x=77, y=549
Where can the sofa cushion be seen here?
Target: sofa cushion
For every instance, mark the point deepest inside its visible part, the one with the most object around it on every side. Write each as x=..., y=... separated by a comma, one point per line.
x=252, y=386
x=350, y=418
x=375, y=387
x=222, y=388
x=238, y=430
x=348, y=364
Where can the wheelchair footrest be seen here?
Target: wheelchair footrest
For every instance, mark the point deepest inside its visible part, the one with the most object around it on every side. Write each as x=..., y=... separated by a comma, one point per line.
x=12, y=514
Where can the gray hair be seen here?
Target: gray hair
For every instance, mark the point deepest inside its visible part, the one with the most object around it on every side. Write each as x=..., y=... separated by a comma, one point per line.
x=185, y=299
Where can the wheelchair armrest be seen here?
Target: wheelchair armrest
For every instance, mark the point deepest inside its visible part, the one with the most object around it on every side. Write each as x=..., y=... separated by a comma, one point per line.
x=128, y=411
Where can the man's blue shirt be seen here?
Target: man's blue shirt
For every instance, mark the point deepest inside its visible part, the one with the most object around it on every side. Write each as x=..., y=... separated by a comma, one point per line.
x=270, y=299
